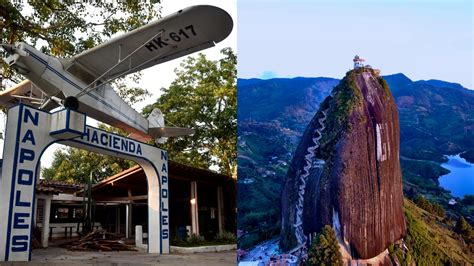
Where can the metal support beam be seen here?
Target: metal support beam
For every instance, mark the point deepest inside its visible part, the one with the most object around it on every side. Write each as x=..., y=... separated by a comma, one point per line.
x=194, y=209
x=119, y=199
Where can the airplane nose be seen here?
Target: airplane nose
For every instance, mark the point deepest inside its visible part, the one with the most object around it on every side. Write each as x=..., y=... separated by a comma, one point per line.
x=11, y=49
x=7, y=47
x=13, y=58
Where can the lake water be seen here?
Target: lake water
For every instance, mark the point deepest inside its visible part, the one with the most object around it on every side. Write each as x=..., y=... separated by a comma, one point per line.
x=461, y=179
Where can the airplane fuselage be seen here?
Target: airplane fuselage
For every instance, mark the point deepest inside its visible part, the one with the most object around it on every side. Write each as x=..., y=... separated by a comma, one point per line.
x=102, y=104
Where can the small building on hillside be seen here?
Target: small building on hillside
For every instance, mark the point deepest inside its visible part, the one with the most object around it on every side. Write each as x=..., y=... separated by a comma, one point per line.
x=358, y=62
x=201, y=202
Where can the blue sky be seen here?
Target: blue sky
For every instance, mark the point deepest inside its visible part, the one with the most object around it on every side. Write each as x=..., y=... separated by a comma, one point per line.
x=422, y=39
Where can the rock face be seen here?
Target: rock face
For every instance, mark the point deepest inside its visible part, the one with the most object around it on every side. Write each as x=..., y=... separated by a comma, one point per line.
x=346, y=171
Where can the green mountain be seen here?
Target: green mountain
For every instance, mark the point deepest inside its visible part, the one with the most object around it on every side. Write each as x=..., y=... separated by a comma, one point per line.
x=436, y=117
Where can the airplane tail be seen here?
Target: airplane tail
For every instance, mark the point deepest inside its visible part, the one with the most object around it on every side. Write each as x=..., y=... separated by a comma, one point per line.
x=158, y=131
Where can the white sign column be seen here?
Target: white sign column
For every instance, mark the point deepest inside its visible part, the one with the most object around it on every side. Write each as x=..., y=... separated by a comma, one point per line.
x=27, y=136
x=45, y=222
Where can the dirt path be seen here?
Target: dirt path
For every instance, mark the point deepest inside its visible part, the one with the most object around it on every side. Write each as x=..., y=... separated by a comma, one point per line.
x=59, y=256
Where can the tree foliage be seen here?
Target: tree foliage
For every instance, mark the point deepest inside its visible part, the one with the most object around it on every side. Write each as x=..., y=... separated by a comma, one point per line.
x=325, y=248
x=66, y=28
x=468, y=200
x=203, y=97
x=463, y=227
x=431, y=207
x=75, y=165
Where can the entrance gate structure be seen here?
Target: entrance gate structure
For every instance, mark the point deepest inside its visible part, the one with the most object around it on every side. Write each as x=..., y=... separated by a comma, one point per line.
x=29, y=132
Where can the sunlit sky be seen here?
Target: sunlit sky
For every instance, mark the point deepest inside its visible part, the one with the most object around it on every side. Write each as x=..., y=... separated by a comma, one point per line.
x=422, y=39
x=161, y=75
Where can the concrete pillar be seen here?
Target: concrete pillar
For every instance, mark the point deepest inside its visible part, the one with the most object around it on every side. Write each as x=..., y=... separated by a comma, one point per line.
x=220, y=209
x=128, y=220
x=194, y=209
x=46, y=214
x=117, y=220
x=138, y=236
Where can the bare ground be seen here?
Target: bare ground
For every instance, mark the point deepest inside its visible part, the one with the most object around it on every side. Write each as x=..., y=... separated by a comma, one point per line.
x=58, y=256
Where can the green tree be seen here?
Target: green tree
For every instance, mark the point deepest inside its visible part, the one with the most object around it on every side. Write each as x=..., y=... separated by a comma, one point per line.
x=439, y=210
x=468, y=200
x=203, y=97
x=75, y=165
x=66, y=28
x=433, y=208
x=462, y=226
x=325, y=248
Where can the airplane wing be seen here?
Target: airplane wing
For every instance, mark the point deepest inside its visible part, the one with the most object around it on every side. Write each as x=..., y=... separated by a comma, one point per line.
x=186, y=31
x=167, y=132
x=140, y=137
x=26, y=92
x=158, y=131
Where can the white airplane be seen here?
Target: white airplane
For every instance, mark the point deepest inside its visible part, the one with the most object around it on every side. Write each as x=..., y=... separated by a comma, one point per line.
x=82, y=82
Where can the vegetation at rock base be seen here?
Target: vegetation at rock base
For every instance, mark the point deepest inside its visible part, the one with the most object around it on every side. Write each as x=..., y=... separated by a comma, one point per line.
x=430, y=240
x=203, y=97
x=433, y=208
x=466, y=231
x=325, y=249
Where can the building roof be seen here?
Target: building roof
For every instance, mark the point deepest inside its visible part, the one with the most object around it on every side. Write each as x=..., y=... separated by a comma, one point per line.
x=134, y=178
x=358, y=59
x=56, y=187
x=62, y=186
x=41, y=189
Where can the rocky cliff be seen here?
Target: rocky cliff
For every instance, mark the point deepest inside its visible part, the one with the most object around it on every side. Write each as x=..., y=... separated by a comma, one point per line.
x=346, y=171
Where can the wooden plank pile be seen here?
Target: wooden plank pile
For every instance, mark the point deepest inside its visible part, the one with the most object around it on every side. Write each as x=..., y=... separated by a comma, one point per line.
x=99, y=240
x=35, y=243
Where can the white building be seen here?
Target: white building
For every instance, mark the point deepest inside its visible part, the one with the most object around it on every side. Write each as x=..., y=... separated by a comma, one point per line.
x=358, y=62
